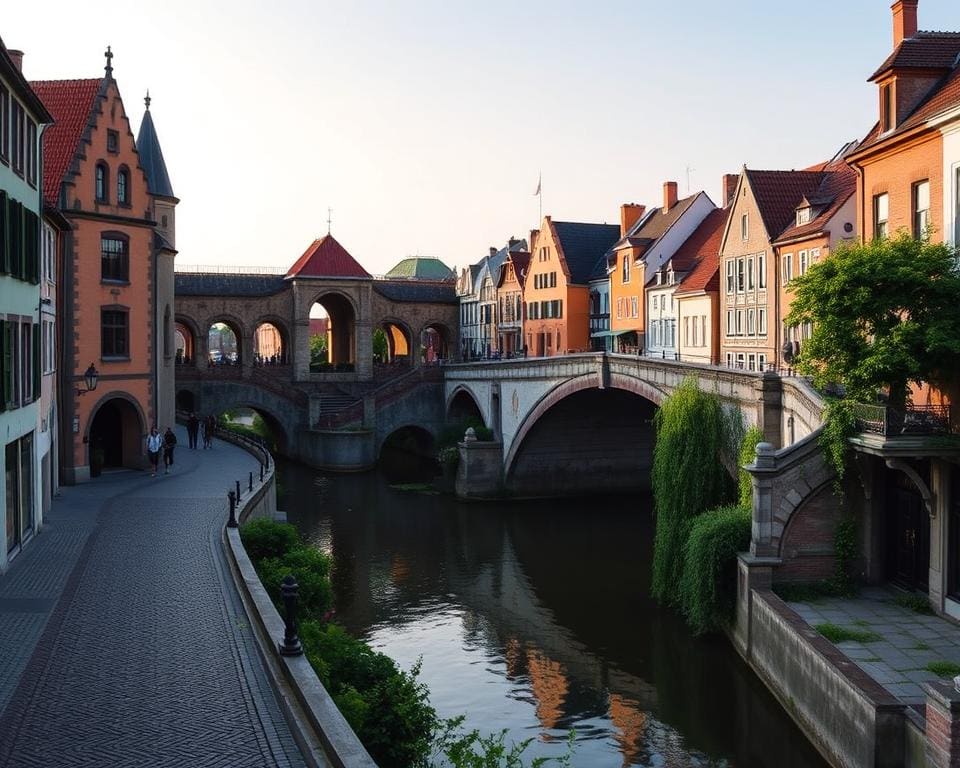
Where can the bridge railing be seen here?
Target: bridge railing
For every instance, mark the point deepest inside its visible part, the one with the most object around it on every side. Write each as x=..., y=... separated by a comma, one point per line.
x=914, y=420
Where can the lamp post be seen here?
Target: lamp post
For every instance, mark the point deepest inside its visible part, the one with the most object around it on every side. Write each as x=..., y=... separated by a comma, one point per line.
x=90, y=379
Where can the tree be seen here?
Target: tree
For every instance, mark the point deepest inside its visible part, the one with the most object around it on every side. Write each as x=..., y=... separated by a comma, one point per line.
x=318, y=348
x=380, y=348
x=884, y=314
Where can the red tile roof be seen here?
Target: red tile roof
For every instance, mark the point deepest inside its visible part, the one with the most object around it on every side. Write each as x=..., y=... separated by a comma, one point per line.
x=839, y=183
x=777, y=194
x=925, y=50
x=702, y=253
x=326, y=258
x=71, y=103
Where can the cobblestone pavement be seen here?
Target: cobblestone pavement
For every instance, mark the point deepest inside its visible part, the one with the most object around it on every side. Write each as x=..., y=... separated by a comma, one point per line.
x=901, y=642
x=123, y=641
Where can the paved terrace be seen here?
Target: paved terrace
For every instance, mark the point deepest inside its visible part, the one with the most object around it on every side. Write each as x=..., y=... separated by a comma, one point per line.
x=122, y=639
x=906, y=641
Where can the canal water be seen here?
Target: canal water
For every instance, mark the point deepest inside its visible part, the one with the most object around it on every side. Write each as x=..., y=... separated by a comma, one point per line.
x=535, y=616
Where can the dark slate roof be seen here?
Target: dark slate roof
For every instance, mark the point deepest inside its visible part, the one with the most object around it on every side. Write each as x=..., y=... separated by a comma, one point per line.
x=925, y=50
x=423, y=268
x=209, y=284
x=151, y=158
x=583, y=244
x=417, y=290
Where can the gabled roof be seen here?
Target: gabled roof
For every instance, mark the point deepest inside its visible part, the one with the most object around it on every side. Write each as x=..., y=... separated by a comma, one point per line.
x=838, y=185
x=520, y=261
x=701, y=254
x=327, y=258
x=423, y=268
x=583, y=244
x=777, y=194
x=151, y=157
x=655, y=224
x=21, y=87
x=925, y=50
x=71, y=103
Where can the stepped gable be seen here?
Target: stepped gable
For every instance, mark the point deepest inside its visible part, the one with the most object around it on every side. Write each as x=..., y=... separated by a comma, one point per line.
x=777, y=194
x=327, y=258
x=702, y=254
x=582, y=245
x=71, y=103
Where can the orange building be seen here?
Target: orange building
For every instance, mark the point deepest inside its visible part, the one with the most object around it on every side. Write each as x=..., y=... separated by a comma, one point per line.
x=563, y=255
x=118, y=272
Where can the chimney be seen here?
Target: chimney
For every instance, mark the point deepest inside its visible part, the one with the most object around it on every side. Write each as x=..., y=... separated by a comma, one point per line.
x=16, y=57
x=669, y=195
x=630, y=214
x=493, y=250
x=730, y=181
x=904, y=20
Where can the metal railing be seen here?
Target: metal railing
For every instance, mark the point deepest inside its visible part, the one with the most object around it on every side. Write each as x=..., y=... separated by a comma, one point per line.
x=225, y=269
x=914, y=420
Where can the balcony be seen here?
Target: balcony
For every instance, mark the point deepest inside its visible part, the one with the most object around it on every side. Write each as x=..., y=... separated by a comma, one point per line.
x=915, y=420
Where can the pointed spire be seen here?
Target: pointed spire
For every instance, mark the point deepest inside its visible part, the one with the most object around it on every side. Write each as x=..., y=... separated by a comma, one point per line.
x=151, y=156
x=108, y=54
x=146, y=99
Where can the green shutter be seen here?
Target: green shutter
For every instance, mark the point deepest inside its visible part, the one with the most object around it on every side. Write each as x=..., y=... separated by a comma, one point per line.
x=4, y=235
x=6, y=365
x=36, y=361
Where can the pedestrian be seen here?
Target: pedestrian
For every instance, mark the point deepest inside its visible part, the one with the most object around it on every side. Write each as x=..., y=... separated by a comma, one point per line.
x=169, y=443
x=211, y=429
x=154, y=444
x=193, y=428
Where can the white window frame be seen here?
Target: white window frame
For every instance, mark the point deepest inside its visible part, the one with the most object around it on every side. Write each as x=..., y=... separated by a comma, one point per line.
x=731, y=269
x=762, y=270
x=745, y=226
x=786, y=268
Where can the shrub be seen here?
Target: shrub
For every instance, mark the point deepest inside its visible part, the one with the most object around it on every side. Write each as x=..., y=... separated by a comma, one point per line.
x=388, y=708
x=915, y=603
x=693, y=447
x=707, y=586
x=471, y=750
x=748, y=453
x=311, y=568
x=263, y=538
x=845, y=547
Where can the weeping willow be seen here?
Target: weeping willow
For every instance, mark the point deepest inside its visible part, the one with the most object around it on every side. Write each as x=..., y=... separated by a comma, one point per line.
x=695, y=442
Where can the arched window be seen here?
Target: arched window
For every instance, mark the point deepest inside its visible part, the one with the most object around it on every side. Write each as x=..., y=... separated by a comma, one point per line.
x=103, y=179
x=123, y=187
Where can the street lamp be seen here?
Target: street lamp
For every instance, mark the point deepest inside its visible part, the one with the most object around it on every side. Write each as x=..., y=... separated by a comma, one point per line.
x=90, y=377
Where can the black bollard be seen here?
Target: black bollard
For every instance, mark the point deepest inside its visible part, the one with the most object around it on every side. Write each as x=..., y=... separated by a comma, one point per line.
x=250, y=486
x=232, y=522
x=290, y=646
x=238, y=491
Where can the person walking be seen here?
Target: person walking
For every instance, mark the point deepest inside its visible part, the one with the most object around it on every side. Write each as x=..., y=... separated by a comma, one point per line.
x=211, y=429
x=169, y=443
x=154, y=445
x=193, y=429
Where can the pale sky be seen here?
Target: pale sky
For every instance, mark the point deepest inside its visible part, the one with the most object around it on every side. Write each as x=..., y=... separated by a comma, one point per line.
x=425, y=124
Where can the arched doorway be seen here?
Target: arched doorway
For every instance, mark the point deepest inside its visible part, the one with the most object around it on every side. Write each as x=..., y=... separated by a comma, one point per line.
x=333, y=335
x=392, y=344
x=184, y=344
x=269, y=344
x=434, y=343
x=116, y=436
x=223, y=344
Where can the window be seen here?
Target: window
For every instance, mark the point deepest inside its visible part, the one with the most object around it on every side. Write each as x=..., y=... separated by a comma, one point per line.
x=881, y=212
x=814, y=256
x=49, y=347
x=19, y=363
x=751, y=323
x=656, y=300
x=740, y=275
x=626, y=268
x=886, y=107
x=751, y=362
x=113, y=333
x=686, y=331
x=762, y=270
x=762, y=321
x=4, y=124
x=703, y=330
x=740, y=357
x=803, y=215
x=786, y=268
x=730, y=277
x=921, y=208
x=553, y=279
x=744, y=227
x=750, y=273
x=739, y=322
x=802, y=256
x=102, y=175
x=761, y=362
x=113, y=141
x=731, y=330
x=634, y=306
x=123, y=187
x=114, y=258
x=729, y=359
x=31, y=153
x=16, y=110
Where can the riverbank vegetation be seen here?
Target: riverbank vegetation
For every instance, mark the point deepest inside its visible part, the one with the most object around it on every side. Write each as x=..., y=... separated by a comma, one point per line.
x=388, y=708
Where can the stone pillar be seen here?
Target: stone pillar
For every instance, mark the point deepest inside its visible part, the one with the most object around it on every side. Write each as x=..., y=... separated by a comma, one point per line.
x=480, y=471
x=301, y=349
x=943, y=724
x=769, y=407
x=752, y=573
x=762, y=472
x=939, y=515
x=364, y=350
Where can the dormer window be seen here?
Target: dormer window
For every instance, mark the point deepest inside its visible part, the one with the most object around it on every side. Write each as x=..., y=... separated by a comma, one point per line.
x=803, y=215
x=886, y=107
x=670, y=277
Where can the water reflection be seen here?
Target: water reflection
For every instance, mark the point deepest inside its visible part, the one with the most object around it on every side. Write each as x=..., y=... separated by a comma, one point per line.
x=535, y=617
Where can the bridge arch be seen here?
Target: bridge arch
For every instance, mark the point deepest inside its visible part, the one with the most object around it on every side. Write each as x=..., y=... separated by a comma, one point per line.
x=624, y=389
x=436, y=339
x=264, y=346
x=186, y=338
x=343, y=314
x=400, y=341
x=463, y=405
x=236, y=326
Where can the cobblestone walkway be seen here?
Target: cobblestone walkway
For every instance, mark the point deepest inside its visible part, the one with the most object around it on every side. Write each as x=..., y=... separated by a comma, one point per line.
x=900, y=644
x=122, y=639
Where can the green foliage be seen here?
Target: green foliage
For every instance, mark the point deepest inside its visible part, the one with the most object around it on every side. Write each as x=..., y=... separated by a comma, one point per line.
x=708, y=581
x=748, y=453
x=845, y=548
x=380, y=347
x=471, y=750
x=311, y=568
x=694, y=445
x=318, y=349
x=943, y=668
x=806, y=592
x=449, y=457
x=387, y=707
x=884, y=314
x=837, y=634
x=453, y=433
x=263, y=538
x=915, y=603
x=839, y=426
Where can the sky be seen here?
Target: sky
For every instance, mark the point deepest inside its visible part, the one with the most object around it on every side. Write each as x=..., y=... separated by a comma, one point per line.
x=425, y=125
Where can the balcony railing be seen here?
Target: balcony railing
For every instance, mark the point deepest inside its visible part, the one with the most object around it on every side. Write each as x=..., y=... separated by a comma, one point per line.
x=915, y=420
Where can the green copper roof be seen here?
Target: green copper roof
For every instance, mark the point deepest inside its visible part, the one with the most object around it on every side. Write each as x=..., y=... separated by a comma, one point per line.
x=423, y=268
